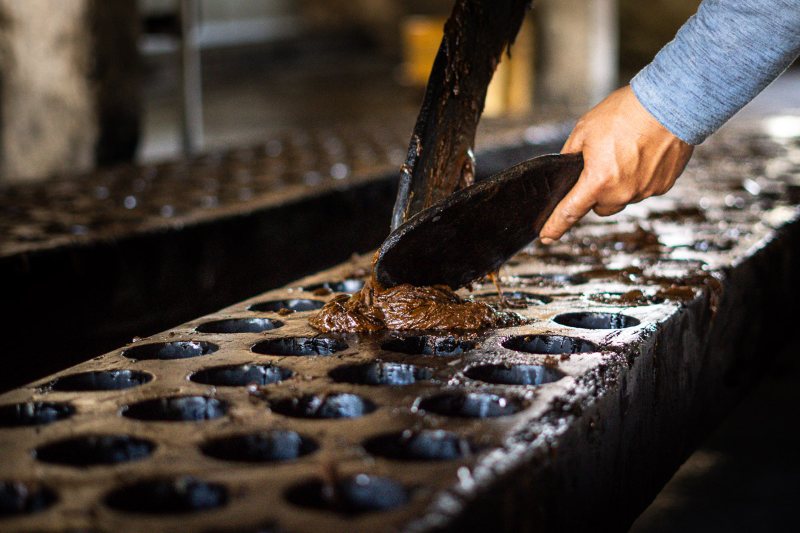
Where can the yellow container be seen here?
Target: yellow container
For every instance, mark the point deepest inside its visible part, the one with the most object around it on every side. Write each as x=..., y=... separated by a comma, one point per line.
x=421, y=38
x=511, y=89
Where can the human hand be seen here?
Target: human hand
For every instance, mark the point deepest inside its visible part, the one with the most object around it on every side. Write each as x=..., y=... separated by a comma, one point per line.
x=628, y=156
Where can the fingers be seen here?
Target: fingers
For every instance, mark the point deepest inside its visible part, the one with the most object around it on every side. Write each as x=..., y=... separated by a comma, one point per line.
x=628, y=156
x=607, y=211
x=574, y=142
x=571, y=209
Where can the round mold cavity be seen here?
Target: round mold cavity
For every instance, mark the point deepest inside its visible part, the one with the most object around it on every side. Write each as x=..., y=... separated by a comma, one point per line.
x=508, y=374
x=349, y=285
x=631, y=298
x=296, y=305
x=515, y=298
x=429, y=345
x=553, y=280
x=394, y=374
x=241, y=375
x=590, y=320
x=300, y=346
x=470, y=405
x=170, y=350
x=340, y=405
x=354, y=495
x=239, y=325
x=91, y=450
x=176, y=409
x=100, y=380
x=19, y=498
x=549, y=344
x=34, y=413
x=180, y=495
x=261, y=447
x=424, y=445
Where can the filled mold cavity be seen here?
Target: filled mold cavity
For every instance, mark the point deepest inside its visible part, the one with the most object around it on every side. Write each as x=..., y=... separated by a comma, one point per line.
x=353, y=495
x=262, y=447
x=513, y=299
x=101, y=380
x=34, y=413
x=170, y=350
x=631, y=298
x=179, y=495
x=176, y=409
x=340, y=405
x=424, y=445
x=18, y=498
x=92, y=450
x=393, y=374
x=239, y=325
x=590, y=320
x=429, y=345
x=285, y=307
x=300, y=346
x=470, y=405
x=241, y=375
x=350, y=285
x=549, y=344
x=510, y=374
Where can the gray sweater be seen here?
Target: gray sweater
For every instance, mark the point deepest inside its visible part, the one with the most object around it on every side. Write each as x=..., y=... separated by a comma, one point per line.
x=719, y=60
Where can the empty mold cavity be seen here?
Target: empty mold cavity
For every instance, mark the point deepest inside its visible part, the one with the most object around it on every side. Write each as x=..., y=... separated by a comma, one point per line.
x=553, y=280
x=101, y=380
x=350, y=285
x=354, y=495
x=395, y=374
x=514, y=298
x=300, y=346
x=168, y=496
x=241, y=375
x=508, y=374
x=90, y=450
x=283, y=306
x=470, y=405
x=176, y=409
x=34, y=413
x=261, y=447
x=18, y=498
x=170, y=350
x=424, y=445
x=340, y=405
x=549, y=344
x=429, y=345
x=239, y=325
x=589, y=320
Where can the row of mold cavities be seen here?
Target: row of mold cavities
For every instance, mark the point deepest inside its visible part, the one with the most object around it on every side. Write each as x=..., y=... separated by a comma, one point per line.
x=170, y=495
x=328, y=345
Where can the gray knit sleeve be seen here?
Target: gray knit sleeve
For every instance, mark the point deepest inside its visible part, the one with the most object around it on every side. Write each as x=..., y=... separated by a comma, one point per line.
x=719, y=60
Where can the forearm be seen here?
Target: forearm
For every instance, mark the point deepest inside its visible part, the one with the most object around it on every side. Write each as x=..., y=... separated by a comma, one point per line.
x=719, y=60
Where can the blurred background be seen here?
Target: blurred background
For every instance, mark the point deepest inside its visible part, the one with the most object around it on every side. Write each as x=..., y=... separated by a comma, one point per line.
x=144, y=80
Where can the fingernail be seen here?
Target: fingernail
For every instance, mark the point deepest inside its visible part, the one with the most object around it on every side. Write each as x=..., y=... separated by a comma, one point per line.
x=546, y=240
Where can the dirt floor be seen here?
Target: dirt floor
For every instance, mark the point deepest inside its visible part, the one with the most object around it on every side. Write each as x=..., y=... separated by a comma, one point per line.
x=745, y=476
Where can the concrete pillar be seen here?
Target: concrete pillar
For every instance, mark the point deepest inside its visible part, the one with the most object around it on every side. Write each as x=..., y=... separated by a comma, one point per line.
x=578, y=43
x=68, y=91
